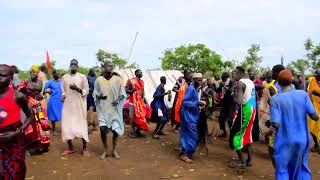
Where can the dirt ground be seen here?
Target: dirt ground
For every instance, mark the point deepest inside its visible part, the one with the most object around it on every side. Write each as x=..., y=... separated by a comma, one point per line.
x=146, y=158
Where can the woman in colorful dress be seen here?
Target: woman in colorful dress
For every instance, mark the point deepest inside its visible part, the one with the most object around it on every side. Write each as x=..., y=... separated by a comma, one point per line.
x=12, y=144
x=54, y=109
x=38, y=132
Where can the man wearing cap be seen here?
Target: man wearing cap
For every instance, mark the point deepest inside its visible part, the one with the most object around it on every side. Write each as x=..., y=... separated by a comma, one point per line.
x=289, y=111
x=74, y=124
x=189, y=114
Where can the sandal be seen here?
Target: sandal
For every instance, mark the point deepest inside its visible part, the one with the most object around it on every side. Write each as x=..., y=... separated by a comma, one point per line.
x=237, y=164
x=67, y=152
x=85, y=153
x=186, y=159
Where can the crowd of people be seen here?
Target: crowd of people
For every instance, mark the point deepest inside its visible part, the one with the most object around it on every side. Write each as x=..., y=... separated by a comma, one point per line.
x=273, y=109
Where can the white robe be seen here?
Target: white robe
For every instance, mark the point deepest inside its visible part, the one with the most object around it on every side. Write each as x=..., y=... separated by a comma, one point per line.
x=74, y=113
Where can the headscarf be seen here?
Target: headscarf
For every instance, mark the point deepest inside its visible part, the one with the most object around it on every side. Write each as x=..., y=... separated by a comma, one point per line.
x=35, y=68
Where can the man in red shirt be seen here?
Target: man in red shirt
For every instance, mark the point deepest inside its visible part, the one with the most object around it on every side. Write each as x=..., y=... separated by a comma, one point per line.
x=135, y=90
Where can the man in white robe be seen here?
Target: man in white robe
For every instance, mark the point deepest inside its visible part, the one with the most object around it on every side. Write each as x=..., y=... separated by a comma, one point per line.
x=74, y=124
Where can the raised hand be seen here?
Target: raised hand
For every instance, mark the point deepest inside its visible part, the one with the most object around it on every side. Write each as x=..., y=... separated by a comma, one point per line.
x=102, y=97
x=115, y=103
x=74, y=87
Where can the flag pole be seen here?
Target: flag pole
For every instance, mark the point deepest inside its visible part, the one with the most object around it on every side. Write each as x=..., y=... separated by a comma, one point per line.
x=134, y=41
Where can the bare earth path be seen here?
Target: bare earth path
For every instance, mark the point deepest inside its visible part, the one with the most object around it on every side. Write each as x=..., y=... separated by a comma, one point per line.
x=146, y=158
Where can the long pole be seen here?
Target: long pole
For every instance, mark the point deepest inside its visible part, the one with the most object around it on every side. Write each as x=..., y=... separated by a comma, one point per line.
x=134, y=41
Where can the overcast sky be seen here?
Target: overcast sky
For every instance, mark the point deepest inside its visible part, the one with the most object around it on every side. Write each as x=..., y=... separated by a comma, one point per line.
x=78, y=28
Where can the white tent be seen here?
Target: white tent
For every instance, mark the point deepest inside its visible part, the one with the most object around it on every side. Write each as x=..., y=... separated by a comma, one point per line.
x=151, y=80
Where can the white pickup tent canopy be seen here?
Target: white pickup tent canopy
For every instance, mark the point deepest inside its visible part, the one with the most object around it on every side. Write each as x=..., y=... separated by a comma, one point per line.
x=151, y=80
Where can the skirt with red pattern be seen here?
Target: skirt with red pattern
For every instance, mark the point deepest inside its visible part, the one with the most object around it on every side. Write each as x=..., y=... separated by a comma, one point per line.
x=38, y=131
x=12, y=156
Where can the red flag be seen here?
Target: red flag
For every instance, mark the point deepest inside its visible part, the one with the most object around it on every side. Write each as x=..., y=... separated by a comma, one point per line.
x=48, y=62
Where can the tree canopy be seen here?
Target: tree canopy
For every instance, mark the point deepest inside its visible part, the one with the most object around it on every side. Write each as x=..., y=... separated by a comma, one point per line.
x=117, y=61
x=300, y=66
x=194, y=57
x=313, y=53
x=252, y=60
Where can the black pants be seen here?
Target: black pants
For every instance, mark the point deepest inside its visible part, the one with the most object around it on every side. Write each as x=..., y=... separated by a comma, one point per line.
x=226, y=114
x=235, y=128
x=255, y=128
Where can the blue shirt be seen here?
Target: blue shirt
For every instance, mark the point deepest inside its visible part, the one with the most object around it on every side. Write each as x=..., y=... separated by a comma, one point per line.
x=291, y=141
x=55, y=87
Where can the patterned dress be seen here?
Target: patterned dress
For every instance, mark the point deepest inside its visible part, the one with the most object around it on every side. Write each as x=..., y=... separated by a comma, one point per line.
x=38, y=132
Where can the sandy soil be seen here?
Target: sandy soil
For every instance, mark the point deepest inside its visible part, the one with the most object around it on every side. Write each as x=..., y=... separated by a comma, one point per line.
x=146, y=158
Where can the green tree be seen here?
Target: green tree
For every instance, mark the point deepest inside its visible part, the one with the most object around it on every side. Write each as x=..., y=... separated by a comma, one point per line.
x=194, y=57
x=309, y=47
x=253, y=60
x=229, y=65
x=83, y=70
x=313, y=53
x=24, y=75
x=118, y=62
x=245, y=65
x=300, y=66
x=132, y=66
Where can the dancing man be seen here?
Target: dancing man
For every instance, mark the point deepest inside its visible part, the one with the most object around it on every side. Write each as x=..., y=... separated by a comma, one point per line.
x=159, y=109
x=289, y=111
x=135, y=90
x=190, y=114
x=241, y=131
x=109, y=94
x=74, y=123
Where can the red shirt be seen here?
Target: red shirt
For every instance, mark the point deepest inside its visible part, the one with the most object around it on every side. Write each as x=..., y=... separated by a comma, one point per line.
x=9, y=109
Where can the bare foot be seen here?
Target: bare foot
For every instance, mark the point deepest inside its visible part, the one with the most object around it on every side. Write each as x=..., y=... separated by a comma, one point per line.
x=67, y=152
x=115, y=155
x=104, y=156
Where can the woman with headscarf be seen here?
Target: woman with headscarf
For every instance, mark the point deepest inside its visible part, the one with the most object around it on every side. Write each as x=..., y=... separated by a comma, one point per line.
x=38, y=132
